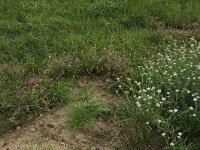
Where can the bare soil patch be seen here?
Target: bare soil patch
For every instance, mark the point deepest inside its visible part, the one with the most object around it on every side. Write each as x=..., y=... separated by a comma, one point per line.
x=50, y=130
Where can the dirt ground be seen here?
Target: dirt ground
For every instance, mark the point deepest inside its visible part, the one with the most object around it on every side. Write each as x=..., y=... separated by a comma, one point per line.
x=51, y=131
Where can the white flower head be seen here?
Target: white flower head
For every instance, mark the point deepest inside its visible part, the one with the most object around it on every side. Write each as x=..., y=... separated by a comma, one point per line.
x=157, y=105
x=180, y=133
x=138, y=104
x=188, y=91
x=163, y=99
x=194, y=115
x=171, y=144
x=175, y=110
x=151, y=97
x=129, y=79
x=163, y=134
x=178, y=137
x=165, y=72
x=148, y=89
x=159, y=91
x=191, y=108
x=195, y=99
x=159, y=121
x=144, y=90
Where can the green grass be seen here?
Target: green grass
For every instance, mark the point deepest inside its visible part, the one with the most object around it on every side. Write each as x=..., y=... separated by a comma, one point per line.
x=87, y=112
x=44, y=43
x=176, y=13
x=85, y=94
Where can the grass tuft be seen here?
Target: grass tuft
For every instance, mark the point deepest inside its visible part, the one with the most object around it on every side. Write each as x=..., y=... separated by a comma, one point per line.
x=87, y=112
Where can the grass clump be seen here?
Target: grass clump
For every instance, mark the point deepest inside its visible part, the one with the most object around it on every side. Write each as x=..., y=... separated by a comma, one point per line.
x=85, y=94
x=87, y=112
x=176, y=13
x=21, y=104
x=164, y=100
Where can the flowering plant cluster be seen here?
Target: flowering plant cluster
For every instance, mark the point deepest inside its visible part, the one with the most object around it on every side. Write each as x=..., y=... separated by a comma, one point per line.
x=166, y=94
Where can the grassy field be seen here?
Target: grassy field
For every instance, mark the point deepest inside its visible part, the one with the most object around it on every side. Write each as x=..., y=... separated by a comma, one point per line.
x=46, y=45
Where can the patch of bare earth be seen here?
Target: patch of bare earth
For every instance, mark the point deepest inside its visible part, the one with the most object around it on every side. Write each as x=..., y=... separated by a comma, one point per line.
x=192, y=30
x=52, y=130
x=189, y=32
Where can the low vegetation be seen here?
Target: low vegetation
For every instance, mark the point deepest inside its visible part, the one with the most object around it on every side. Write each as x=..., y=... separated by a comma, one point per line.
x=86, y=112
x=46, y=45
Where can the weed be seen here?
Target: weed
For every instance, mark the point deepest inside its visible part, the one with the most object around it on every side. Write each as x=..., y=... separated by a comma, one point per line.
x=165, y=97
